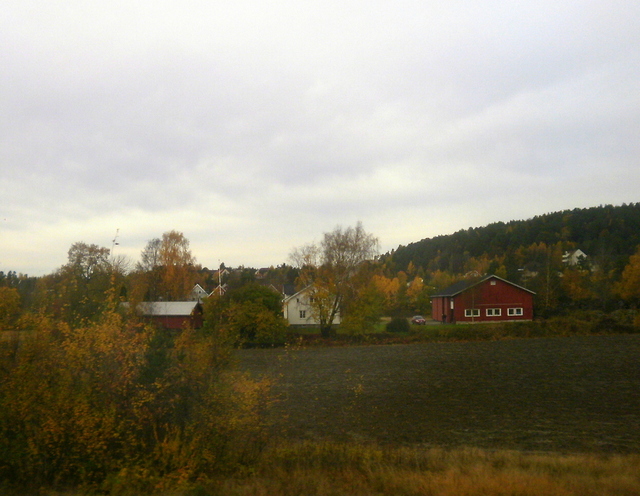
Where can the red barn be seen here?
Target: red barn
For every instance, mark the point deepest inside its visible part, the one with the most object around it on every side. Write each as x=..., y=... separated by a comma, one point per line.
x=173, y=314
x=488, y=299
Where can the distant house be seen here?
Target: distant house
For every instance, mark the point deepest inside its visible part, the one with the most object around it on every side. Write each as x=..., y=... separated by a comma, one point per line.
x=485, y=299
x=198, y=293
x=575, y=257
x=172, y=314
x=298, y=311
x=219, y=274
x=220, y=290
x=262, y=273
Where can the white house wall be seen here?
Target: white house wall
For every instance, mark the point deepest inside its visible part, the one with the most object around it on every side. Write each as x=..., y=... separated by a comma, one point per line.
x=298, y=303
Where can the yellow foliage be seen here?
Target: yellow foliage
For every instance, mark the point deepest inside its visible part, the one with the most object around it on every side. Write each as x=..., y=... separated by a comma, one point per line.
x=576, y=284
x=388, y=287
x=9, y=307
x=414, y=289
x=79, y=405
x=629, y=287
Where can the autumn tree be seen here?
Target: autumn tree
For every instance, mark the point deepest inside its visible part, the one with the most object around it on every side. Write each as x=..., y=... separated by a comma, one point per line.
x=9, y=307
x=388, y=288
x=88, y=261
x=166, y=270
x=77, y=291
x=329, y=269
x=629, y=286
x=418, y=296
x=147, y=278
x=364, y=302
x=178, y=265
x=249, y=314
x=576, y=285
x=150, y=256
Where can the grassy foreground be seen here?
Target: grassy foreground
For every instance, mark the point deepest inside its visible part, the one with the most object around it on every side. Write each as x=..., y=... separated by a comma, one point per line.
x=330, y=469
x=327, y=469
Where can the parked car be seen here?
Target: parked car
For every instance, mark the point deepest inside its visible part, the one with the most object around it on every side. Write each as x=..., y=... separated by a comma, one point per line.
x=418, y=319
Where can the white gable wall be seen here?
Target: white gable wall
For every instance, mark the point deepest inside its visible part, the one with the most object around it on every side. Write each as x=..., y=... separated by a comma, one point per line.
x=298, y=311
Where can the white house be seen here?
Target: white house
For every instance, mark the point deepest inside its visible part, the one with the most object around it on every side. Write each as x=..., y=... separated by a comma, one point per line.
x=298, y=311
x=574, y=257
x=198, y=293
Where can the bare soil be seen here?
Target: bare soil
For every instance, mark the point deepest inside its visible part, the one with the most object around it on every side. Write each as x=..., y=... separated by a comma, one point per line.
x=577, y=394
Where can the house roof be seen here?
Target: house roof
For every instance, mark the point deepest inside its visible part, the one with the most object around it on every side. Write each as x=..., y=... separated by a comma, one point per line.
x=168, y=308
x=219, y=290
x=302, y=291
x=288, y=289
x=465, y=284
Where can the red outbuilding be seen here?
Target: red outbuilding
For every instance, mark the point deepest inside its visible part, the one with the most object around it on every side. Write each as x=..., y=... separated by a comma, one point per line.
x=485, y=299
x=174, y=315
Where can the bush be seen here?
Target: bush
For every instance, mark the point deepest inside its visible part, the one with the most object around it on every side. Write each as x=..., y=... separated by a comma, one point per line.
x=112, y=404
x=398, y=324
x=249, y=316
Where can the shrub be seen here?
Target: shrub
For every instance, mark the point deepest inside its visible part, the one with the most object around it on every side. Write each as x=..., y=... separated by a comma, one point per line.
x=250, y=315
x=398, y=324
x=97, y=404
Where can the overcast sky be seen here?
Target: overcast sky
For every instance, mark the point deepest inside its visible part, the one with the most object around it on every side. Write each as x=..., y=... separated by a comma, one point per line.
x=253, y=127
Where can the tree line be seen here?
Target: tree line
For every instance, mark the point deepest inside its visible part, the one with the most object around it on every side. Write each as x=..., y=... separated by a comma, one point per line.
x=346, y=275
x=606, y=231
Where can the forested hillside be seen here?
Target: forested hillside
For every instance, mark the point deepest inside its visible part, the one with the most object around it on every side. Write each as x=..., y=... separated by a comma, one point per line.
x=607, y=231
x=532, y=253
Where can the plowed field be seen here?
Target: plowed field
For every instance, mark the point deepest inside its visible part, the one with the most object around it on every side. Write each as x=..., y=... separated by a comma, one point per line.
x=562, y=394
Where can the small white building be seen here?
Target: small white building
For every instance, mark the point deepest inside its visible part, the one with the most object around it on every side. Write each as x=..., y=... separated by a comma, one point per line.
x=298, y=310
x=574, y=257
x=198, y=293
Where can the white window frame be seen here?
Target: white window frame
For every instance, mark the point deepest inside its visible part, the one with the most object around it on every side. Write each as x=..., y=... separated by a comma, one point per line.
x=303, y=314
x=515, y=312
x=472, y=312
x=494, y=312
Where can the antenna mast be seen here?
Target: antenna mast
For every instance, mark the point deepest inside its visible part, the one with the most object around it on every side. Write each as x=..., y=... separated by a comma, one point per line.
x=114, y=243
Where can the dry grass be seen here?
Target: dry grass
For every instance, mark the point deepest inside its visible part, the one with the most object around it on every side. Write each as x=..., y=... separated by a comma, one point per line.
x=326, y=469
x=332, y=469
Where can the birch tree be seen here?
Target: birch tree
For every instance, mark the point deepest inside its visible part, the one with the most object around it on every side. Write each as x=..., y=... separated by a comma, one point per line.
x=328, y=270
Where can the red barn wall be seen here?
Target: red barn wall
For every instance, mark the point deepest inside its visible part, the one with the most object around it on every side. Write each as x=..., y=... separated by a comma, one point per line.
x=178, y=322
x=441, y=309
x=493, y=293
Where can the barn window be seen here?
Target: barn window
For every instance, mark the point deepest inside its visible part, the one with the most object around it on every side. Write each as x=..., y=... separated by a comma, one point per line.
x=494, y=312
x=493, y=283
x=472, y=312
x=303, y=314
x=514, y=311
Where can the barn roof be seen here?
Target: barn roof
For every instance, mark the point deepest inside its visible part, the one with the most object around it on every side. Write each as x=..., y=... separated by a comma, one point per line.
x=465, y=284
x=168, y=308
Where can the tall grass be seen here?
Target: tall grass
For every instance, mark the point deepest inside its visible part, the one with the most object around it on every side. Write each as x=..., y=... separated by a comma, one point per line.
x=324, y=469
x=329, y=469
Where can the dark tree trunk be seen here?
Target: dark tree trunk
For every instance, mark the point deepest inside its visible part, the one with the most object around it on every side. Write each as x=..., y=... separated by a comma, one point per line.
x=327, y=331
